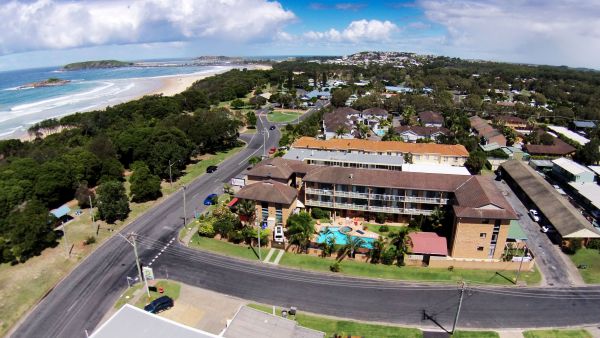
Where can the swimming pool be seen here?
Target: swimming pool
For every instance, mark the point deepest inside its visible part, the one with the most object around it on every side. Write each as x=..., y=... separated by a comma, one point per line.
x=340, y=237
x=380, y=132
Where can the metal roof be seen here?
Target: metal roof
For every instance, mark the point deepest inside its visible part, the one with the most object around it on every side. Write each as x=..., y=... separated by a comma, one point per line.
x=569, y=134
x=342, y=156
x=570, y=166
x=567, y=220
x=61, y=211
x=435, y=169
x=584, y=124
x=516, y=232
x=252, y=323
x=591, y=191
x=132, y=322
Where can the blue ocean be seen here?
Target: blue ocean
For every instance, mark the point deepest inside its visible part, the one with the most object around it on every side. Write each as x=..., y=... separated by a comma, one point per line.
x=88, y=90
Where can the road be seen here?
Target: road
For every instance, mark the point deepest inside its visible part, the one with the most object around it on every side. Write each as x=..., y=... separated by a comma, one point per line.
x=79, y=302
x=551, y=262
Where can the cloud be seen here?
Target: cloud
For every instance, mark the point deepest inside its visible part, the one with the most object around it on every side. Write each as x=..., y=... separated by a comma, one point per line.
x=56, y=24
x=420, y=25
x=344, y=6
x=357, y=31
x=539, y=31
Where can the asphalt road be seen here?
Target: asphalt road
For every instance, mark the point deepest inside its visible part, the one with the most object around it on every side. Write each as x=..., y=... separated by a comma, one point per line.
x=79, y=302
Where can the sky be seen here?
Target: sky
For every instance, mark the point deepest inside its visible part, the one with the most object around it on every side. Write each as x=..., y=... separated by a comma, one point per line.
x=38, y=33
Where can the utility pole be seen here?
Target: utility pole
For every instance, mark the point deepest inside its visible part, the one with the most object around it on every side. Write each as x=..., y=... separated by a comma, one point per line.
x=170, y=174
x=66, y=241
x=184, y=210
x=265, y=143
x=460, y=300
x=259, y=255
x=137, y=258
x=520, y=265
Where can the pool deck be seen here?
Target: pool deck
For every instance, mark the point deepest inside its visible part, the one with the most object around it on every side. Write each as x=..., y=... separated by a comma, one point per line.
x=356, y=226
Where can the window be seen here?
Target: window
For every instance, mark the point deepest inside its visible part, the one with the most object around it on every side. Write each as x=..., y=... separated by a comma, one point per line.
x=485, y=221
x=265, y=210
x=279, y=214
x=482, y=235
x=479, y=248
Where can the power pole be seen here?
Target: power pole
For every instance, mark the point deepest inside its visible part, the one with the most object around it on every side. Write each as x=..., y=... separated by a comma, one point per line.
x=137, y=258
x=259, y=255
x=520, y=265
x=170, y=174
x=265, y=143
x=184, y=210
x=66, y=241
x=460, y=300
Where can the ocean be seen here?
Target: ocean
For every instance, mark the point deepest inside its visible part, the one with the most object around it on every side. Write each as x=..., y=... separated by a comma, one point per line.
x=88, y=90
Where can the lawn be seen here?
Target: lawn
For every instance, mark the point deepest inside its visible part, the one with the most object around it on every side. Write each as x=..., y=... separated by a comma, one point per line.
x=591, y=258
x=225, y=248
x=283, y=116
x=171, y=289
x=475, y=334
x=346, y=328
x=557, y=334
x=375, y=228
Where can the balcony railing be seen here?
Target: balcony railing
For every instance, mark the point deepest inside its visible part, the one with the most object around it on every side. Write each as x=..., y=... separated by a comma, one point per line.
x=419, y=199
x=390, y=210
x=349, y=206
x=316, y=203
x=385, y=197
x=351, y=194
x=319, y=191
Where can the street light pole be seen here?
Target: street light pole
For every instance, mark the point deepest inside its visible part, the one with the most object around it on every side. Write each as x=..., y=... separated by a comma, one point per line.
x=460, y=300
x=184, y=209
x=137, y=258
x=265, y=143
x=259, y=255
x=170, y=174
x=520, y=265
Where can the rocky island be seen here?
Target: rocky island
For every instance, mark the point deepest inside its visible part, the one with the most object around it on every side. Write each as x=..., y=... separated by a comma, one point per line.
x=99, y=64
x=51, y=82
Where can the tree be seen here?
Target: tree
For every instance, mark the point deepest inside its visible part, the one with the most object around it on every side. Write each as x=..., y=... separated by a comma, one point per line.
x=83, y=194
x=546, y=139
x=408, y=115
x=339, y=97
x=237, y=104
x=341, y=131
x=254, y=160
x=258, y=101
x=251, y=119
x=589, y=153
x=353, y=243
x=300, y=229
x=408, y=158
x=112, y=202
x=363, y=130
x=378, y=248
x=328, y=245
x=401, y=241
x=144, y=185
x=476, y=161
x=54, y=184
x=247, y=208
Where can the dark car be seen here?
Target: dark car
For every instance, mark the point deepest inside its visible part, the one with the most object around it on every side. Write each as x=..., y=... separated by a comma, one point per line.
x=272, y=128
x=211, y=199
x=211, y=169
x=159, y=304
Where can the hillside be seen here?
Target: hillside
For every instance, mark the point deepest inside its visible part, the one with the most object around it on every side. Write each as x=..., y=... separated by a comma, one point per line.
x=99, y=64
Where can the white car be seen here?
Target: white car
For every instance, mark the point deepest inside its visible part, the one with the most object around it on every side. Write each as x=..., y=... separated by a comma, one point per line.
x=547, y=228
x=534, y=215
x=278, y=234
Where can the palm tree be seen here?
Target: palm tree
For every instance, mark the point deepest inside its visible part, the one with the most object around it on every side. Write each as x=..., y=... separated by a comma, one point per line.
x=408, y=114
x=363, y=131
x=402, y=243
x=300, y=229
x=341, y=131
x=248, y=209
x=378, y=248
x=352, y=244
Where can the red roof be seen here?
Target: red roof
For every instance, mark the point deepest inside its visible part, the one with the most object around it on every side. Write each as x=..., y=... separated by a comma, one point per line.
x=232, y=202
x=428, y=243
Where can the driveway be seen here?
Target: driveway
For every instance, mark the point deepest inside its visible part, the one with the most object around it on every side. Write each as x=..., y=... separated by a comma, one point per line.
x=556, y=268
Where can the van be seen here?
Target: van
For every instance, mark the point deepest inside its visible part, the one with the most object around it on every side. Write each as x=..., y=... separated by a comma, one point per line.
x=159, y=304
x=278, y=234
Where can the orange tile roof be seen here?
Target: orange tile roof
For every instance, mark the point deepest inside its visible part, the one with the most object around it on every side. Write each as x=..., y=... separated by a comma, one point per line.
x=381, y=146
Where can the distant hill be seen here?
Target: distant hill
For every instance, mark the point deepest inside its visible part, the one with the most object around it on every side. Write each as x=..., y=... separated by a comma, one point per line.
x=99, y=64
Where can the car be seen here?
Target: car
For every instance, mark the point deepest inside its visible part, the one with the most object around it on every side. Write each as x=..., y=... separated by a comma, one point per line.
x=160, y=304
x=547, y=228
x=272, y=128
x=278, y=234
x=211, y=199
x=283, y=148
x=272, y=150
x=211, y=169
x=534, y=215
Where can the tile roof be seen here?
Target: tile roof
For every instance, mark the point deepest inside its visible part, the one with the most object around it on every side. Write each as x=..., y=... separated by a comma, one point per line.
x=381, y=146
x=278, y=168
x=478, y=197
x=268, y=191
x=375, y=111
x=431, y=117
x=559, y=148
x=484, y=129
x=421, y=130
x=428, y=243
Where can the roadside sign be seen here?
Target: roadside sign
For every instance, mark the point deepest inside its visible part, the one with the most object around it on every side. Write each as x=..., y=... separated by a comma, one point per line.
x=264, y=225
x=148, y=273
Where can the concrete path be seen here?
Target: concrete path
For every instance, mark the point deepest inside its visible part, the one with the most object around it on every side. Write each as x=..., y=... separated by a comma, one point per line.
x=511, y=334
x=278, y=258
x=269, y=255
x=188, y=237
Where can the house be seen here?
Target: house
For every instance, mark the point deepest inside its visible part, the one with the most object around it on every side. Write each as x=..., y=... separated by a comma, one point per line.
x=274, y=201
x=584, y=125
x=340, y=119
x=573, y=136
x=431, y=119
x=415, y=133
x=398, y=89
x=513, y=122
x=488, y=134
x=557, y=149
x=422, y=153
x=570, y=171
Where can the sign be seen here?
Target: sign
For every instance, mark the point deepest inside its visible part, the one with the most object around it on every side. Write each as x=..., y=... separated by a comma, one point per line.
x=238, y=182
x=148, y=273
x=264, y=225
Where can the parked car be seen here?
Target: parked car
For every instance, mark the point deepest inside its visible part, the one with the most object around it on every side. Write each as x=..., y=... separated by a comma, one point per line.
x=160, y=304
x=278, y=234
x=272, y=128
x=211, y=199
x=547, y=228
x=211, y=169
x=534, y=215
x=272, y=150
x=282, y=148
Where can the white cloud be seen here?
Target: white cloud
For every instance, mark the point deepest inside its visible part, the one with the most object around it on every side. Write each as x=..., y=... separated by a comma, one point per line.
x=55, y=24
x=539, y=31
x=357, y=31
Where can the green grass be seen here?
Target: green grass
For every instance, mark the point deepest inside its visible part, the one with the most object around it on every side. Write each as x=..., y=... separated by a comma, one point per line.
x=557, y=334
x=362, y=269
x=126, y=296
x=475, y=334
x=346, y=328
x=225, y=248
x=375, y=228
x=171, y=289
x=591, y=258
x=282, y=117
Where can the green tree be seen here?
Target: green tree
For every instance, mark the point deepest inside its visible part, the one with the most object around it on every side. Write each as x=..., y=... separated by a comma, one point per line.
x=54, y=184
x=300, y=229
x=379, y=246
x=251, y=119
x=401, y=241
x=247, y=209
x=589, y=154
x=83, y=194
x=353, y=243
x=254, y=160
x=408, y=115
x=237, y=104
x=144, y=185
x=339, y=97
x=408, y=158
x=341, y=131
x=112, y=202
x=476, y=161
x=363, y=131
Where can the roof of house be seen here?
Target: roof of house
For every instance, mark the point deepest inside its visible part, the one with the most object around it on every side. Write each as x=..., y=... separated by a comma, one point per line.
x=268, y=191
x=375, y=111
x=381, y=146
x=567, y=220
x=572, y=167
x=431, y=117
x=435, y=169
x=302, y=154
x=510, y=119
x=277, y=168
x=559, y=148
x=61, y=211
x=132, y=322
x=428, y=243
x=478, y=197
x=595, y=168
x=590, y=190
x=584, y=124
x=485, y=130
x=515, y=232
x=569, y=134
x=252, y=323
x=422, y=130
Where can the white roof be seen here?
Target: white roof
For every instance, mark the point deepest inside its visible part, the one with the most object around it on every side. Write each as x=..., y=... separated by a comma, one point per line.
x=591, y=191
x=595, y=168
x=569, y=134
x=132, y=322
x=571, y=166
x=435, y=169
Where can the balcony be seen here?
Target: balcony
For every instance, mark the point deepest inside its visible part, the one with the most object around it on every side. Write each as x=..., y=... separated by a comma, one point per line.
x=385, y=197
x=316, y=203
x=319, y=191
x=418, y=199
x=417, y=212
x=389, y=210
x=351, y=194
x=349, y=206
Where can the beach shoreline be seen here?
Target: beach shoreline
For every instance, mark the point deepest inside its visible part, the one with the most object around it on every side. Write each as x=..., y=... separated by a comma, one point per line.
x=169, y=85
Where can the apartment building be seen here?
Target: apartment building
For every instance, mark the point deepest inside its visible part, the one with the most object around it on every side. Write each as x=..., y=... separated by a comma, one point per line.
x=422, y=153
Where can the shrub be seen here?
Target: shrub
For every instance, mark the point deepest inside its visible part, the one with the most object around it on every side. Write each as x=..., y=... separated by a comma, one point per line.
x=594, y=244
x=384, y=228
x=90, y=240
x=235, y=236
x=388, y=256
x=206, y=229
x=335, y=267
x=572, y=247
x=223, y=226
x=380, y=218
x=319, y=213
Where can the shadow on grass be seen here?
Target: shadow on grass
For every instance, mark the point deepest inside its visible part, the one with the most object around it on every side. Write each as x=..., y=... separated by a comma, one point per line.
x=508, y=279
